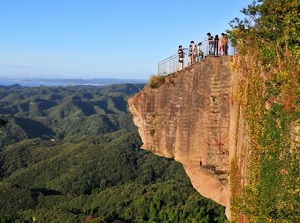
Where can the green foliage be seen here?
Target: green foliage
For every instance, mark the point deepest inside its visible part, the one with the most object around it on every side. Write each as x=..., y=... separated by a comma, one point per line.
x=75, y=157
x=156, y=81
x=268, y=57
x=62, y=112
x=272, y=27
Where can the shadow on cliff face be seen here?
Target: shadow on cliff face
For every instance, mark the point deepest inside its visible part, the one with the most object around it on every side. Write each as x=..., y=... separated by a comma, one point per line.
x=188, y=118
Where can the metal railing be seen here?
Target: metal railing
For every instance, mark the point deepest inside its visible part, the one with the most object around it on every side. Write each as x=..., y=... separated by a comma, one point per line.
x=170, y=65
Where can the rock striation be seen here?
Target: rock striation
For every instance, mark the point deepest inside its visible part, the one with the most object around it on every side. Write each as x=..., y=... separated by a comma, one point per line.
x=189, y=118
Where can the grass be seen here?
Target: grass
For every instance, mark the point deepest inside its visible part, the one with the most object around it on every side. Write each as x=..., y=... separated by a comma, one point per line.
x=156, y=81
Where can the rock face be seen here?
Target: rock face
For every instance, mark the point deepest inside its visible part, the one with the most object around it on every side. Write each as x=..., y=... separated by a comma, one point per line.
x=188, y=119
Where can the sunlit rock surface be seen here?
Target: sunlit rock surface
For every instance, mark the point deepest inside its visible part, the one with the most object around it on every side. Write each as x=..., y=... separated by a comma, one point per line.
x=192, y=118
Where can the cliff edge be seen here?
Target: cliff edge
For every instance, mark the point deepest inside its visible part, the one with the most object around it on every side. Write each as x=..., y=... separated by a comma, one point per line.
x=189, y=118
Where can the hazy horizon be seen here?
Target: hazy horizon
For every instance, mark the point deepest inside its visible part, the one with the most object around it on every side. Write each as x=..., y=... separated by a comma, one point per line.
x=36, y=81
x=106, y=39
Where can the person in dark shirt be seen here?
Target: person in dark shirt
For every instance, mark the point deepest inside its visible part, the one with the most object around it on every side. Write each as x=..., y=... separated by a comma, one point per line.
x=226, y=44
x=216, y=45
x=190, y=55
x=181, y=57
x=193, y=52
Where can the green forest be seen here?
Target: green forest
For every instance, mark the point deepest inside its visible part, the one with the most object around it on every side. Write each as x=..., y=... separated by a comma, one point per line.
x=72, y=154
x=267, y=63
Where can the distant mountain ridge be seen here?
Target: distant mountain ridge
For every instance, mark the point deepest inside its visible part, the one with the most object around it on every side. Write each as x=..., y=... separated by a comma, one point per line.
x=6, y=81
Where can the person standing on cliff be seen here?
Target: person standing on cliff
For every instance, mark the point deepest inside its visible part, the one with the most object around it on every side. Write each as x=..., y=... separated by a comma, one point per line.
x=193, y=52
x=210, y=39
x=181, y=57
x=216, y=45
x=190, y=55
x=223, y=44
x=200, y=53
x=226, y=44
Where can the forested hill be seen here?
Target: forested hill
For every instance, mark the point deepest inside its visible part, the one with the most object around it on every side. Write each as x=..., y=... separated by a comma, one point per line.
x=72, y=154
x=61, y=112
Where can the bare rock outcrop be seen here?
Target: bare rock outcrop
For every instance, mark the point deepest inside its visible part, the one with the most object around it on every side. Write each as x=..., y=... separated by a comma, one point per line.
x=188, y=119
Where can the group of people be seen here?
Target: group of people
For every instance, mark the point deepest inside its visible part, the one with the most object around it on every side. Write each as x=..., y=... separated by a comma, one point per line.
x=195, y=54
x=216, y=47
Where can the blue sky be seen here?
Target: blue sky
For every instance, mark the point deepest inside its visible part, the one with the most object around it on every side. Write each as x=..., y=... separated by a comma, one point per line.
x=103, y=38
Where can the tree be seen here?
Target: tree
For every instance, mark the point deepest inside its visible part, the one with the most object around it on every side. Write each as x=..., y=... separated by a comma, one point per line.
x=267, y=63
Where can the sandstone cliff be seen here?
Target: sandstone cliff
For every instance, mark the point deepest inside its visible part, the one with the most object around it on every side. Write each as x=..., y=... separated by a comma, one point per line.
x=191, y=118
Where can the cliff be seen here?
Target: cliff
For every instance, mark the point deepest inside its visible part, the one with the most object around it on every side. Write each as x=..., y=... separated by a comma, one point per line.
x=192, y=118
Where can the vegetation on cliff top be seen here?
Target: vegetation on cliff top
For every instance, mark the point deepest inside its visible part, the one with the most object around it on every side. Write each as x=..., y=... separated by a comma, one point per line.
x=156, y=81
x=268, y=46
